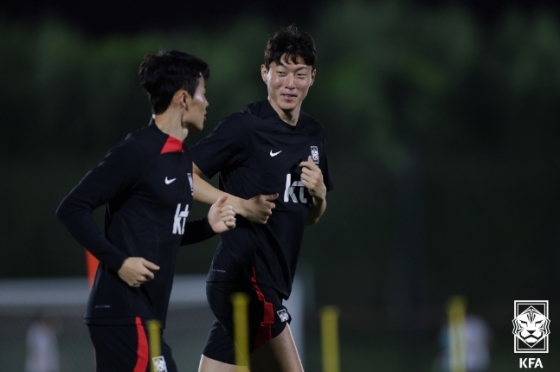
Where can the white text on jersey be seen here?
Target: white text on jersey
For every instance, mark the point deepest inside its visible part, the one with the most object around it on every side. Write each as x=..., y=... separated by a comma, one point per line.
x=289, y=192
x=180, y=219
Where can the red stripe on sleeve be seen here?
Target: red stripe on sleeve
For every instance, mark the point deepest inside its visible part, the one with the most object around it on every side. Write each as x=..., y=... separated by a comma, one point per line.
x=264, y=333
x=172, y=145
x=143, y=351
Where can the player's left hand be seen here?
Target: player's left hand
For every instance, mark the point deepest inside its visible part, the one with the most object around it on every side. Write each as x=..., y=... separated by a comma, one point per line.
x=221, y=216
x=312, y=179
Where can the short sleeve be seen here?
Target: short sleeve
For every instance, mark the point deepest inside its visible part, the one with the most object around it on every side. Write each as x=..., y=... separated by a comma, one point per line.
x=227, y=145
x=324, y=166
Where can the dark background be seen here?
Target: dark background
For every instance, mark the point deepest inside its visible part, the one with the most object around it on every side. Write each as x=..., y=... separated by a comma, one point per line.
x=442, y=129
x=104, y=17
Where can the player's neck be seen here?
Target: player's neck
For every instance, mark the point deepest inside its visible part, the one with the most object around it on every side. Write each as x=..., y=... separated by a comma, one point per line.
x=170, y=123
x=290, y=117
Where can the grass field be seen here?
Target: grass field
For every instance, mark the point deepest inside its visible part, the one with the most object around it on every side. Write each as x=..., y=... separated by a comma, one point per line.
x=358, y=352
x=365, y=353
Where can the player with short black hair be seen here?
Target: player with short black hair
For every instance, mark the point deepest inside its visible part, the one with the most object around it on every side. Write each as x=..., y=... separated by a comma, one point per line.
x=146, y=184
x=272, y=148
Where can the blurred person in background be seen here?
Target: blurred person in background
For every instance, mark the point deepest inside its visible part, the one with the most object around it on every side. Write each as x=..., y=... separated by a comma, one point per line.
x=146, y=183
x=42, y=346
x=272, y=149
x=477, y=340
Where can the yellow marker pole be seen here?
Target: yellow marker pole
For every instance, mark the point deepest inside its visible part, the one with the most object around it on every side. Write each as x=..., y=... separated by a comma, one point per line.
x=456, y=310
x=240, y=303
x=329, y=338
x=154, y=327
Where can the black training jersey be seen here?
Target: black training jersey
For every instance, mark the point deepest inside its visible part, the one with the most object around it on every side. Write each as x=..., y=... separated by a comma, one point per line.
x=256, y=153
x=146, y=184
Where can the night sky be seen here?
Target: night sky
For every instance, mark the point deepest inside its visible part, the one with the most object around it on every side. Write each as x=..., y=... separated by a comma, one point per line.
x=102, y=17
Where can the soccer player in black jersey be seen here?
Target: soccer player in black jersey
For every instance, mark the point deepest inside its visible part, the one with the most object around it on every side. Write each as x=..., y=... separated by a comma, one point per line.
x=146, y=184
x=269, y=148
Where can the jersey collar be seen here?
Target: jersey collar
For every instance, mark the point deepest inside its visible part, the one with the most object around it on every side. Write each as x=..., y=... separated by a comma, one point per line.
x=171, y=144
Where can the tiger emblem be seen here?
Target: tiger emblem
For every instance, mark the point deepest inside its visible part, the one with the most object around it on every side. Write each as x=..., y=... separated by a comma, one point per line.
x=531, y=326
x=315, y=154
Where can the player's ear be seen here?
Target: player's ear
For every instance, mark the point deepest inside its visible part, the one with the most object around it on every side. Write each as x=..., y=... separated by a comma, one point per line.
x=313, y=74
x=183, y=98
x=264, y=73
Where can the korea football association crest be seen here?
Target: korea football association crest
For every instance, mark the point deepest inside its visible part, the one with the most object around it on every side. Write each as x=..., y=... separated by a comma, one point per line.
x=283, y=315
x=531, y=326
x=159, y=364
x=189, y=175
x=315, y=154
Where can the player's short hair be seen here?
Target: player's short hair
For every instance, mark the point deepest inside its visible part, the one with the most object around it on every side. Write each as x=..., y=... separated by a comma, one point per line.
x=163, y=73
x=293, y=44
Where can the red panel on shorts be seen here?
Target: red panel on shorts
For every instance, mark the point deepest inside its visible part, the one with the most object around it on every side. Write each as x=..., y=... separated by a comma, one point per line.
x=264, y=333
x=143, y=351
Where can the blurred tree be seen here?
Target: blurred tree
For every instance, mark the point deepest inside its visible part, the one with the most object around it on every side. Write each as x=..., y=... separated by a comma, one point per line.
x=442, y=139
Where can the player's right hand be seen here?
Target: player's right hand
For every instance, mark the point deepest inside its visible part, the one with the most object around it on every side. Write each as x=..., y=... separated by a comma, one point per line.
x=259, y=208
x=136, y=271
x=221, y=216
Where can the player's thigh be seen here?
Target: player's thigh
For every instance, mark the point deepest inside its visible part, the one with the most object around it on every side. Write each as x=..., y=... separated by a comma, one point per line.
x=271, y=341
x=211, y=365
x=277, y=355
x=219, y=346
x=125, y=348
x=267, y=314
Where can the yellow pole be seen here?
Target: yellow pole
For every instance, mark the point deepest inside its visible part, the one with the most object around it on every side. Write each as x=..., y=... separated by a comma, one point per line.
x=456, y=310
x=329, y=338
x=154, y=327
x=240, y=302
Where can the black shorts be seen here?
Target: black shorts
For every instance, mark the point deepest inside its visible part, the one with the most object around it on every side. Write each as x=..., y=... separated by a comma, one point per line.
x=125, y=348
x=267, y=318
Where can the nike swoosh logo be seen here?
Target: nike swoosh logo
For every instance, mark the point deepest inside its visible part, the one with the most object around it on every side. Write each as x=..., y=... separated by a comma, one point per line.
x=167, y=182
x=273, y=154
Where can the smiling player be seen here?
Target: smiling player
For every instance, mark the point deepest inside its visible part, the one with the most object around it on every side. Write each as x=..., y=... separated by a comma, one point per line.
x=270, y=148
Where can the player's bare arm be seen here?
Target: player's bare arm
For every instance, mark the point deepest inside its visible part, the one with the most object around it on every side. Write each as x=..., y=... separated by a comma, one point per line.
x=257, y=209
x=136, y=271
x=221, y=216
x=312, y=179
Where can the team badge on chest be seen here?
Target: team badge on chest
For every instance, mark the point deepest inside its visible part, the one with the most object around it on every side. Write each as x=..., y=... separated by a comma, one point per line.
x=190, y=182
x=315, y=154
